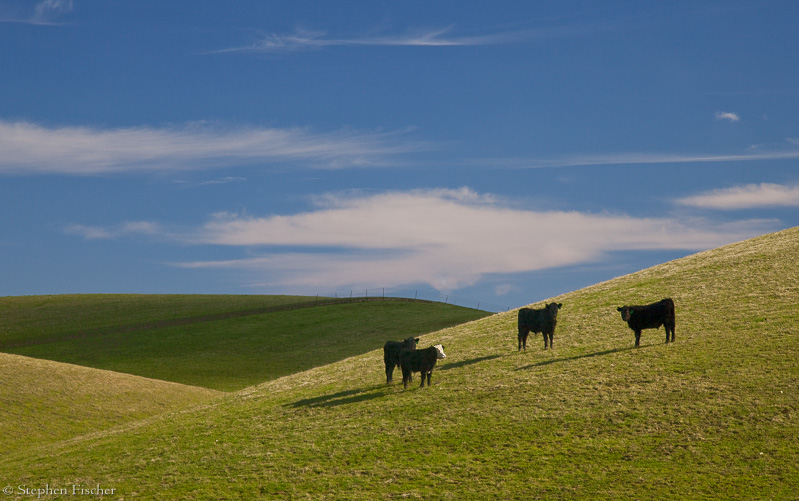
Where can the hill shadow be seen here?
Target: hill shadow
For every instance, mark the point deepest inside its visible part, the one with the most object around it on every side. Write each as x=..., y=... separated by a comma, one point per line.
x=579, y=357
x=341, y=398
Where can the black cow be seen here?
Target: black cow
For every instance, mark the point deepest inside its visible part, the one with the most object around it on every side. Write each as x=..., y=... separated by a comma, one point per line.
x=391, y=354
x=543, y=321
x=420, y=361
x=650, y=316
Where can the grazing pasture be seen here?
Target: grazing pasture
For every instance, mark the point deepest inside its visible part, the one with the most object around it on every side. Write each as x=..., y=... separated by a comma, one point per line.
x=223, y=351
x=46, y=402
x=714, y=416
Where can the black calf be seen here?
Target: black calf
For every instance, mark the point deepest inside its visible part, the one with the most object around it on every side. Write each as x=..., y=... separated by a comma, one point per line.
x=650, y=316
x=420, y=361
x=543, y=321
x=391, y=354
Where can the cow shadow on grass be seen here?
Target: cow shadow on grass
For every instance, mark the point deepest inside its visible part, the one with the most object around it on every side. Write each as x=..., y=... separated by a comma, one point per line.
x=342, y=397
x=579, y=357
x=462, y=363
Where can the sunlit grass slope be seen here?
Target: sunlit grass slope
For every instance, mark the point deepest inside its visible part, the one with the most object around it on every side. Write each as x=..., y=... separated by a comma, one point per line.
x=45, y=402
x=714, y=415
x=226, y=352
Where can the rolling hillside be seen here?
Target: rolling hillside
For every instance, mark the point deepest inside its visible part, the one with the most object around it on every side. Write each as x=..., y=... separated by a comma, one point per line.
x=713, y=416
x=45, y=402
x=219, y=342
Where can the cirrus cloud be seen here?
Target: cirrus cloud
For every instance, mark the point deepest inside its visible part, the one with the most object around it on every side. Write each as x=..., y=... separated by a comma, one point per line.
x=303, y=39
x=45, y=13
x=34, y=149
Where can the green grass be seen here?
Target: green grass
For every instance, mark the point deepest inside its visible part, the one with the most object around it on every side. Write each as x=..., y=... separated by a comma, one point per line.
x=32, y=319
x=714, y=415
x=233, y=353
x=45, y=402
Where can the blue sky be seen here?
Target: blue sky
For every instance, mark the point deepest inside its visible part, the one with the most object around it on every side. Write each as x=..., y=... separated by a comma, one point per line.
x=502, y=151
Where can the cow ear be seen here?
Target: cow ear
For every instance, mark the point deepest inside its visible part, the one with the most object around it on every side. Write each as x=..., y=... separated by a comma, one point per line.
x=619, y=308
x=560, y=305
x=417, y=340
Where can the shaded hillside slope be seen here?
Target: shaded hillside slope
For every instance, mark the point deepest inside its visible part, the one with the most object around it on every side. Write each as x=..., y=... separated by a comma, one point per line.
x=45, y=402
x=30, y=320
x=230, y=352
x=713, y=416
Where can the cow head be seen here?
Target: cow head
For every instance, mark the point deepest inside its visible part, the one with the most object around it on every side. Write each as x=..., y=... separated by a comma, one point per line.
x=410, y=343
x=553, y=308
x=440, y=351
x=626, y=311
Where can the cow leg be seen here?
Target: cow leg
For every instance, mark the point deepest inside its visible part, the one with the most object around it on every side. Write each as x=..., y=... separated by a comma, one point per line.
x=389, y=372
x=637, y=338
x=523, y=339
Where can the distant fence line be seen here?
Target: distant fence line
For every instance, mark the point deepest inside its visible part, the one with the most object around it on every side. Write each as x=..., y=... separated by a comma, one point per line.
x=438, y=297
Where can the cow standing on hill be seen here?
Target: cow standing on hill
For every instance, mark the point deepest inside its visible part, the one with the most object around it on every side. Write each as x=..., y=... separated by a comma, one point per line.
x=543, y=321
x=391, y=354
x=650, y=316
x=420, y=361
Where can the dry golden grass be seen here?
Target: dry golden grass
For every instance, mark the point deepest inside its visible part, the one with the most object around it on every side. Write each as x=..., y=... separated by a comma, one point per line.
x=44, y=402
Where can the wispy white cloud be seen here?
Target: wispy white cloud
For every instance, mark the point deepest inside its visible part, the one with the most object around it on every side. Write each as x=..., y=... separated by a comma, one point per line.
x=303, y=39
x=446, y=238
x=133, y=228
x=631, y=158
x=30, y=149
x=223, y=180
x=45, y=13
x=727, y=115
x=306, y=40
x=749, y=196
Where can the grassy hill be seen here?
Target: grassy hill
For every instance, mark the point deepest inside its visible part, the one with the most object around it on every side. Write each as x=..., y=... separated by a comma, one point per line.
x=219, y=342
x=713, y=416
x=45, y=402
x=36, y=319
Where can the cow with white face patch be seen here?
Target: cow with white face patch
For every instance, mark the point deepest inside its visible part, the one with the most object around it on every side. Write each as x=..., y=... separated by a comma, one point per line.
x=391, y=354
x=421, y=361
